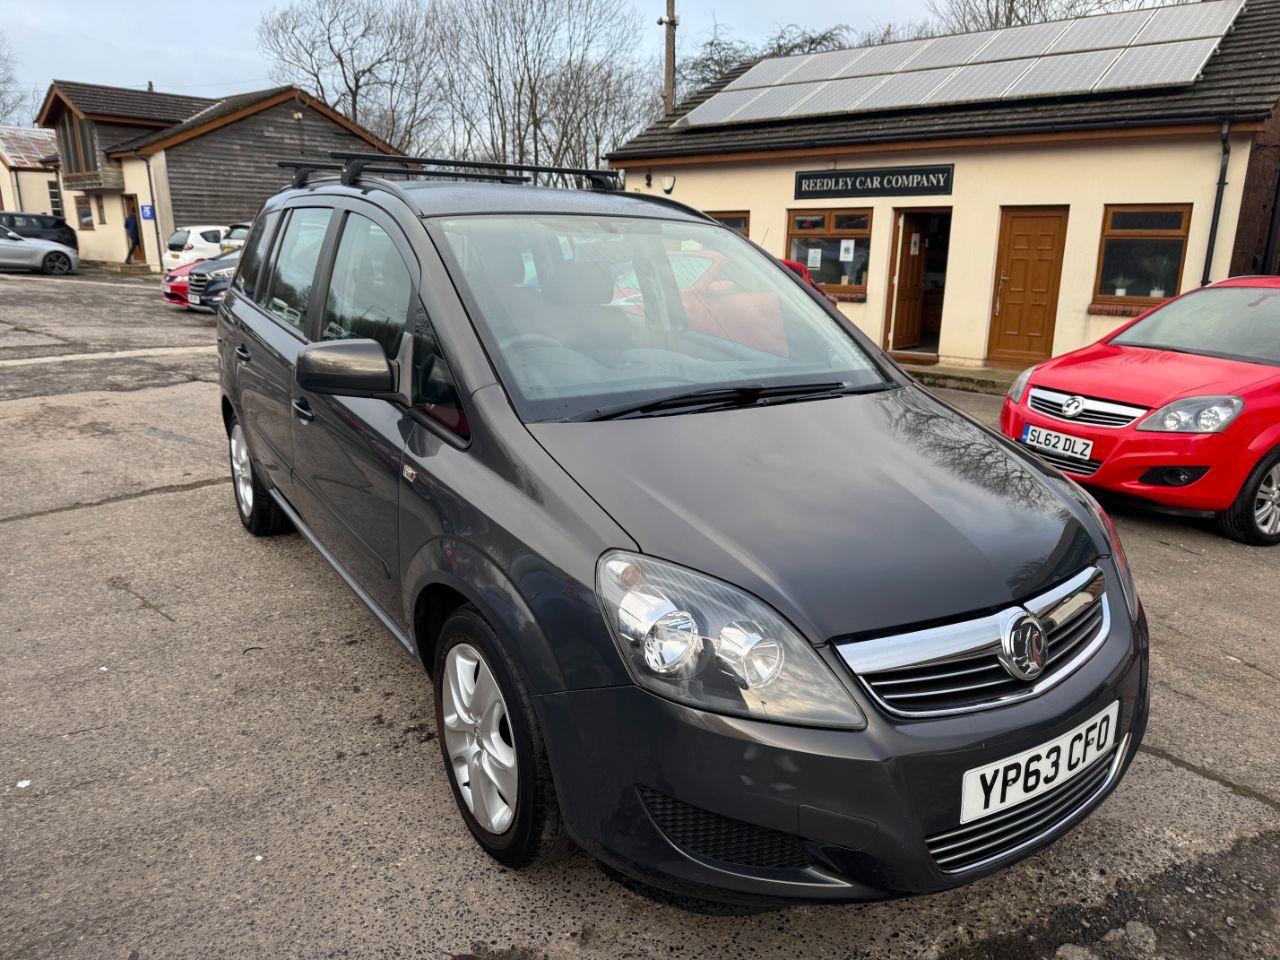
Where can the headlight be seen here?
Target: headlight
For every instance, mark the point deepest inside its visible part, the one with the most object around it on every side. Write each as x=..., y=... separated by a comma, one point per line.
x=702, y=642
x=1194, y=415
x=1019, y=386
x=1117, y=551
x=224, y=272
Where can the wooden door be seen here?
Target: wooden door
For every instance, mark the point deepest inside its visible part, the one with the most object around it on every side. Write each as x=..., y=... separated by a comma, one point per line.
x=908, y=311
x=1028, y=273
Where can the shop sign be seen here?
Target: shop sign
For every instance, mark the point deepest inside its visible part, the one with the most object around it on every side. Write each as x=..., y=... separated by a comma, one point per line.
x=876, y=182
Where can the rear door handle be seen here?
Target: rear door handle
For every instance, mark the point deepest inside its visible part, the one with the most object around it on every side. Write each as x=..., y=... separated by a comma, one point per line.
x=243, y=354
x=302, y=410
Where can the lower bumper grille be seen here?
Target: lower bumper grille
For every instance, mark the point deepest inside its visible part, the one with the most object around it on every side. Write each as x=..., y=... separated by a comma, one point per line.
x=713, y=837
x=978, y=844
x=1077, y=468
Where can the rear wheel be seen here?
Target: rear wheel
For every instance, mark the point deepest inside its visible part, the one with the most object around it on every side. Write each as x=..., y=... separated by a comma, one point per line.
x=492, y=746
x=258, y=511
x=1255, y=516
x=56, y=263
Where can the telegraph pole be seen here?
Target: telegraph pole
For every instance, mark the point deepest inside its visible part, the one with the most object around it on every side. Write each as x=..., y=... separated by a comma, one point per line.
x=670, y=21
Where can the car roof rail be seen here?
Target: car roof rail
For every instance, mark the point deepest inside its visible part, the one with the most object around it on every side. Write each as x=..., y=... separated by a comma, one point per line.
x=303, y=169
x=356, y=163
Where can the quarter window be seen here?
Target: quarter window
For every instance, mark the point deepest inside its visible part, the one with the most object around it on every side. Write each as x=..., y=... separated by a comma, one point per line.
x=294, y=272
x=435, y=394
x=1142, y=253
x=370, y=288
x=255, y=251
x=834, y=244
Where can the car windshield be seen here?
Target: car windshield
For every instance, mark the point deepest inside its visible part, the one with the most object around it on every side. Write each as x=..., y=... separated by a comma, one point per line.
x=1237, y=323
x=590, y=312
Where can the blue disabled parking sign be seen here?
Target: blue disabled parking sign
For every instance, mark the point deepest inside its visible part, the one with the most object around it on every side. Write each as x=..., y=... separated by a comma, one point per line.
x=148, y=212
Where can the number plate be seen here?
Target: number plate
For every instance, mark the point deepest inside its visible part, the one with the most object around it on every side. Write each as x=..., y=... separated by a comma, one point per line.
x=1014, y=780
x=1060, y=443
x=193, y=298
x=166, y=288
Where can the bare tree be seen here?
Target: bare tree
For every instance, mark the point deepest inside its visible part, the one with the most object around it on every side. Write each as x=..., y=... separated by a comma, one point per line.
x=371, y=59
x=14, y=101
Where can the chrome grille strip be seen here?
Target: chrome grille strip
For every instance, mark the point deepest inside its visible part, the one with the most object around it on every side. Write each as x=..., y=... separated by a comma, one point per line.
x=1080, y=468
x=942, y=671
x=977, y=845
x=1098, y=413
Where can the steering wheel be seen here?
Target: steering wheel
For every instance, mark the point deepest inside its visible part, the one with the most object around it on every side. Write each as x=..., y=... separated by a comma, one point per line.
x=530, y=340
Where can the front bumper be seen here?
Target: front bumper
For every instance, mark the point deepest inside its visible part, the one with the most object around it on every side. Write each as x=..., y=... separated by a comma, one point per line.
x=859, y=805
x=1128, y=454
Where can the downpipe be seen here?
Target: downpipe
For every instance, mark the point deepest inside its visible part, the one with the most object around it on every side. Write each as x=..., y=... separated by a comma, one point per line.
x=1217, y=202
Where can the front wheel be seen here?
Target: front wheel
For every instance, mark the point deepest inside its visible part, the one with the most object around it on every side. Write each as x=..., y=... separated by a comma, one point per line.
x=1255, y=516
x=492, y=746
x=56, y=264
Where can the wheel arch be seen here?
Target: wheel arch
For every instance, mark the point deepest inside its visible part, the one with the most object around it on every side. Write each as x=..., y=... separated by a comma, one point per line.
x=446, y=574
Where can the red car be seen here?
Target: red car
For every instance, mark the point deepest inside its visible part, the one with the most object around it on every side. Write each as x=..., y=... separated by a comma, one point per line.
x=1180, y=408
x=174, y=285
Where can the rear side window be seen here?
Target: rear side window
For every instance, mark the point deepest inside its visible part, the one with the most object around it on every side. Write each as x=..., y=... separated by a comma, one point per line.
x=212, y=236
x=294, y=271
x=255, y=251
x=370, y=288
x=178, y=239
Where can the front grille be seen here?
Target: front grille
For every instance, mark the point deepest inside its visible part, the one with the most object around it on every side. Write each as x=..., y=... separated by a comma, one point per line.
x=713, y=837
x=977, y=844
x=1079, y=468
x=196, y=282
x=958, y=667
x=980, y=680
x=1095, y=412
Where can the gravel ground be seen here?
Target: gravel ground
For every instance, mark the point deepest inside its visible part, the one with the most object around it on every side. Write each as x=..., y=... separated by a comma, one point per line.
x=208, y=748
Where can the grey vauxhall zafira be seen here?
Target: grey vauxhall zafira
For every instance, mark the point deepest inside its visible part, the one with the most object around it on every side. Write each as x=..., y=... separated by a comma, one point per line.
x=705, y=584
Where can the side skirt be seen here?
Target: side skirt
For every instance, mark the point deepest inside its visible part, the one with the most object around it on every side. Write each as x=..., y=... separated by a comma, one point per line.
x=338, y=568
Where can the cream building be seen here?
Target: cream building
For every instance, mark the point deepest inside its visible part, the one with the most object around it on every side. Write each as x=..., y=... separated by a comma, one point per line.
x=957, y=228
x=29, y=184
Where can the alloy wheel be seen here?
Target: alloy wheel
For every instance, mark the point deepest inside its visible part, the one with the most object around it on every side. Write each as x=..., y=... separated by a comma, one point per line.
x=478, y=737
x=58, y=263
x=1266, y=505
x=241, y=471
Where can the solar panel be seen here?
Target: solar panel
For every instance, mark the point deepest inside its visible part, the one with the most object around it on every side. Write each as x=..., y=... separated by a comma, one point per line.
x=838, y=96
x=1014, y=42
x=1100, y=33
x=950, y=51
x=1159, y=65
x=824, y=66
x=1190, y=21
x=905, y=89
x=979, y=81
x=721, y=107
x=768, y=72
x=776, y=101
x=884, y=59
x=1064, y=75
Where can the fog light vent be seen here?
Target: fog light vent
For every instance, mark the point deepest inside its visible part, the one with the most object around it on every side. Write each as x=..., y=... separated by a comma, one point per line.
x=713, y=837
x=1173, y=476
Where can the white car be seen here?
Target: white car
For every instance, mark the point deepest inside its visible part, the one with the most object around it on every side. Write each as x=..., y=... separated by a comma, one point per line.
x=32, y=254
x=237, y=234
x=189, y=244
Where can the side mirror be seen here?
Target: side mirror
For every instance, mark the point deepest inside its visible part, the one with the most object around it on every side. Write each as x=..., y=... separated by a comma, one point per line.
x=10, y=235
x=345, y=368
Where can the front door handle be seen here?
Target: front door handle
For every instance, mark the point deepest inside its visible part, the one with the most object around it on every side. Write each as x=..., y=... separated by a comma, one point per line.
x=302, y=410
x=243, y=354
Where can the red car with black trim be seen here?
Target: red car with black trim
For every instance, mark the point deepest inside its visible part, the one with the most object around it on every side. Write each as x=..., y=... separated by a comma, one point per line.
x=173, y=287
x=1179, y=409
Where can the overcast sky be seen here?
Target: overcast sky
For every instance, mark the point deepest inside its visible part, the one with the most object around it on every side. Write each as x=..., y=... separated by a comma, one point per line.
x=212, y=50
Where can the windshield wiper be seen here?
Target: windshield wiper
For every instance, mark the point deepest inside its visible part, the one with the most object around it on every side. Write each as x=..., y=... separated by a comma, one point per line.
x=738, y=395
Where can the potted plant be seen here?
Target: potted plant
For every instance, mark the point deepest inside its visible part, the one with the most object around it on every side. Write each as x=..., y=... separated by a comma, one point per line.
x=1162, y=271
x=1121, y=283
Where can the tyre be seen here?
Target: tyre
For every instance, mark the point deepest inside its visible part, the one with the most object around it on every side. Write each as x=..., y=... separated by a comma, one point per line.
x=1255, y=516
x=492, y=746
x=56, y=263
x=258, y=510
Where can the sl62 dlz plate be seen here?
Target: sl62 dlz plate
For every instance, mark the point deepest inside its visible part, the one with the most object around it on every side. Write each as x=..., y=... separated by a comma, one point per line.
x=1051, y=441
x=1014, y=780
